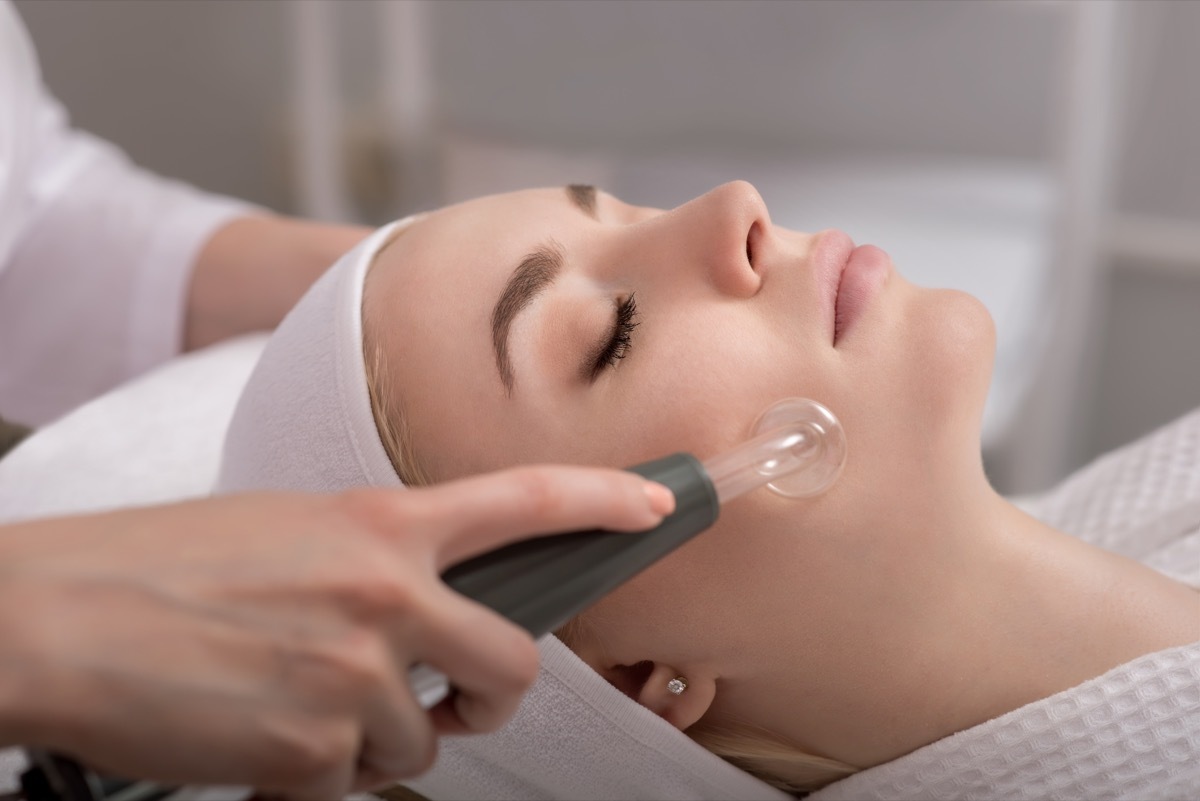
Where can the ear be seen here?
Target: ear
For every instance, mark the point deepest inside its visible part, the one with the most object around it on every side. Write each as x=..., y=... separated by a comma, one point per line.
x=648, y=684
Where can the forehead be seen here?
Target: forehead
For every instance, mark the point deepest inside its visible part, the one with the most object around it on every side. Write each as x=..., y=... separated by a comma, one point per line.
x=428, y=303
x=479, y=242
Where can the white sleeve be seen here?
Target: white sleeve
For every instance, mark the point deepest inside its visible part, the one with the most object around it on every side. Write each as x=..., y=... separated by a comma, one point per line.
x=93, y=288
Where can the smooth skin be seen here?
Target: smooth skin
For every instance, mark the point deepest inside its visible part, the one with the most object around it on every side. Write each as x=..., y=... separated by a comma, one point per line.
x=264, y=639
x=908, y=602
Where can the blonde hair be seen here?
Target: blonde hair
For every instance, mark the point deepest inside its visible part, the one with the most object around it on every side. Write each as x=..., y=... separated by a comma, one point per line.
x=761, y=753
x=769, y=757
x=390, y=420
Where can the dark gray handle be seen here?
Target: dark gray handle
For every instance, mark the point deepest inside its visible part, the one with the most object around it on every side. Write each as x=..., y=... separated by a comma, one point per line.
x=541, y=583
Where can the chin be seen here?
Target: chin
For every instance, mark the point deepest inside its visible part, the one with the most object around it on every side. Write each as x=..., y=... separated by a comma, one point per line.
x=939, y=366
x=968, y=336
x=958, y=336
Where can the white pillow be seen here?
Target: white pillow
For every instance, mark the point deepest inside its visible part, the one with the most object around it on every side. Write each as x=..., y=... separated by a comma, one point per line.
x=156, y=439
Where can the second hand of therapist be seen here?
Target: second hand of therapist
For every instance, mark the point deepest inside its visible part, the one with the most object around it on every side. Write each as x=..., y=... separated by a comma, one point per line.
x=264, y=639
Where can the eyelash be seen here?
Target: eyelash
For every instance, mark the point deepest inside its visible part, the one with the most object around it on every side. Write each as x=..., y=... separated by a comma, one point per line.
x=618, y=345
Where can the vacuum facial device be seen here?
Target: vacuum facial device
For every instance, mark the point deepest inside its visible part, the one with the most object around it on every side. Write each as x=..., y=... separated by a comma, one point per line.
x=797, y=449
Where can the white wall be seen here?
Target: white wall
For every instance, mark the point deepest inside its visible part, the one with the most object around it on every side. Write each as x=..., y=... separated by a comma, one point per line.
x=866, y=75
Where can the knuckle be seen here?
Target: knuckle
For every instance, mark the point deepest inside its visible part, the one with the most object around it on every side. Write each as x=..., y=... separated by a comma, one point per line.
x=425, y=755
x=310, y=754
x=472, y=710
x=380, y=592
x=517, y=669
x=538, y=494
x=325, y=753
x=342, y=670
x=482, y=714
x=525, y=663
x=624, y=489
x=371, y=587
x=357, y=502
x=364, y=660
x=377, y=511
x=413, y=754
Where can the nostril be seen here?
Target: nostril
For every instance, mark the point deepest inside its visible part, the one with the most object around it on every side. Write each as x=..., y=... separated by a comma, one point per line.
x=752, y=237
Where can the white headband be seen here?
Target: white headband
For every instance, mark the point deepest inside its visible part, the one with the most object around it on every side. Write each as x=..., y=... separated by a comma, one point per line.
x=304, y=423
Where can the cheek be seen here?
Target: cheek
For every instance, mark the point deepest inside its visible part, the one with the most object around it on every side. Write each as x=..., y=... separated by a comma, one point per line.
x=722, y=597
x=950, y=350
x=693, y=605
x=700, y=388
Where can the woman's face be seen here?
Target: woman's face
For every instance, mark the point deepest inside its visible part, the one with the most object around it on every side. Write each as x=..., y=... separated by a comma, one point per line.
x=561, y=325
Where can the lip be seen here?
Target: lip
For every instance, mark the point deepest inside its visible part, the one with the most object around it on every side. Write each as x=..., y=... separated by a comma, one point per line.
x=829, y=258
x=849, y=277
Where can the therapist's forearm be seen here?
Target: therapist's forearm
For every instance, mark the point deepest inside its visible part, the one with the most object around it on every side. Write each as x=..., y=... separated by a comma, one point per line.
x=254, y=269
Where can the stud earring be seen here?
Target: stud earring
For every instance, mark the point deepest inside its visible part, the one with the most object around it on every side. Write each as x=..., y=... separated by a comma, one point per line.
x=677, y=685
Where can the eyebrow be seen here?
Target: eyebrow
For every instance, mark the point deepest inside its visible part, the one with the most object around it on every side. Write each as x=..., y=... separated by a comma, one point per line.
x=535, y=272
x=583, y=196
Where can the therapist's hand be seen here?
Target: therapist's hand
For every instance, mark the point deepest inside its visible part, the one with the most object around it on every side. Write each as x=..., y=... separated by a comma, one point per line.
x=264, y=639
x=254, y=269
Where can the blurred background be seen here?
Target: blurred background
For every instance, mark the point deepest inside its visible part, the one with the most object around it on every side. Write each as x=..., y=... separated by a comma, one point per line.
x=1041, y=154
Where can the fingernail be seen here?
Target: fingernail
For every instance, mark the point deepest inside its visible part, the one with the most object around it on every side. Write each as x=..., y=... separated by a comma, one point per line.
x=662, y=500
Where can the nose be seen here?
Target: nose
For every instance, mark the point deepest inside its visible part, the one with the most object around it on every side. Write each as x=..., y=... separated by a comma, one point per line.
x=725, y=232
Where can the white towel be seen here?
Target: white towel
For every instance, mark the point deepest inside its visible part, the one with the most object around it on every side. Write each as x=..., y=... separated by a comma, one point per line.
x=304, y=421
x=1132, y=733
x=155, y=439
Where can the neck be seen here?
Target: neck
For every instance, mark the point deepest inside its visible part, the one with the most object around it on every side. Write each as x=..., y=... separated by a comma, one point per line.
x=971, y=613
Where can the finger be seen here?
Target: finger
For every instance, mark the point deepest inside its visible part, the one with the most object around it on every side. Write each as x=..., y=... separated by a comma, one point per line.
x=330, y=781
x=446, y=720
x=399, y=739
x=379, y=785
x=479, y=514
x=489, y=661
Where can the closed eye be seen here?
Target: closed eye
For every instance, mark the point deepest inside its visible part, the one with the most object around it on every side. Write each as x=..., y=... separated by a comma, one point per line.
x=620, y=339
